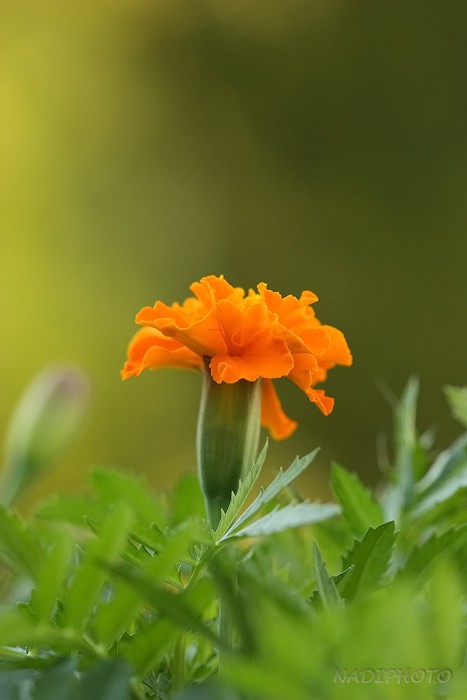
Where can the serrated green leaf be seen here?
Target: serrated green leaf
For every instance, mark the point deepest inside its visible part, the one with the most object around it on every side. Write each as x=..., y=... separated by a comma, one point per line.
x=293, y=515
x=457, y=399
x=173, y=606
x=18, y=543
x=422, y=556
x=327, y=588
x=52, y=573
x=282, y=480
x=238, y=499
x=107, y=680
x=90, y=577
x=370, y=558
x=146, y=648
x=359, y=507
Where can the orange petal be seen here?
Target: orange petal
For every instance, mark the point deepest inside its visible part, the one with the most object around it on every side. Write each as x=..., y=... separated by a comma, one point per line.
x=304, y=365
x=324, y=403
x=201, y=335
x=272, y=416
x=150, y=349
x=338, y=352
x=211, y=289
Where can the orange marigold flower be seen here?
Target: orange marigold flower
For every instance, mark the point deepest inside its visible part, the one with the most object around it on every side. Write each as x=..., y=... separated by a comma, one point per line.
x=259, y=335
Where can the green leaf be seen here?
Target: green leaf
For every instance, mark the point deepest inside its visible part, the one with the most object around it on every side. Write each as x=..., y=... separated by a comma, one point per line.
x=445, y=477
x=186, y=500
x=407, y=453
x=293, y=515
x=282, y=480
x=370, y=558
x=18, y=544
x=58, y=682
x=146, y=648
x=174, y=606
x=238, y=499
x=114, y=486
x=423, y=556
x=457, y=399
x=205, y=691
x=72, y=509
x=90, y=577
x=107, y=680
x=52, y=574
x=15, y=631
x=327, y=588
x=359, y=507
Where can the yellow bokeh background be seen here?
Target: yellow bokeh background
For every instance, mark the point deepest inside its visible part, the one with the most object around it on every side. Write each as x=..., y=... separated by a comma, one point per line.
x=313, y=145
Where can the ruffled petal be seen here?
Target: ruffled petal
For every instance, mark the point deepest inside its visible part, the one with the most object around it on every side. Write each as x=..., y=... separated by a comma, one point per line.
x=150, y=349
x=324, y=403
x=338, y=352
x=254, y=350
x=272, y=416
x=201, y=335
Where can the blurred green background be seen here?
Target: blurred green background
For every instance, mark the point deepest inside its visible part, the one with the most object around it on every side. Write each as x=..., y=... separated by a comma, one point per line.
x=317, y=144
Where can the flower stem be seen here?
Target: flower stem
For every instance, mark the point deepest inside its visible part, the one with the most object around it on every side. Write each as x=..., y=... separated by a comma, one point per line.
x=227, y=439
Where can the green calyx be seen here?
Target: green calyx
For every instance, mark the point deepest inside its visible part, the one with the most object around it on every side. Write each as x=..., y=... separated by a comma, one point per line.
x=227, y=439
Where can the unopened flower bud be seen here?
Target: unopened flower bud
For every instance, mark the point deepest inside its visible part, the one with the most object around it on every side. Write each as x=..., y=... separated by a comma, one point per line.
x=44, y=424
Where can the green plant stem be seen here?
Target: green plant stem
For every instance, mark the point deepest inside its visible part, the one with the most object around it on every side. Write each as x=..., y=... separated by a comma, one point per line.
x=178, y=677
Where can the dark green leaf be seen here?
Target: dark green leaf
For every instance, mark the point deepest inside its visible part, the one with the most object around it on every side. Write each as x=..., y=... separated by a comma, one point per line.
x=107, y=680
x=58, y=682
x=370, y=559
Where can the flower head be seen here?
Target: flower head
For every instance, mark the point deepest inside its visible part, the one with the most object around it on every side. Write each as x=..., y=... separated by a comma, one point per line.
x=259, y=335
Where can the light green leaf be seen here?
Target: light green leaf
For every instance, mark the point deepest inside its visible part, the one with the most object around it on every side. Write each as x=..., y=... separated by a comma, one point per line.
x=238, y=499
x=293, y=515
x=359, y=507
x=370, y=558
x=90, y=577
x=400, y=493
x=52, y=573
x=16, y=631
x=114, y=486
x=457, y=398
x=447, y=475
x=282, y=480
x=72, y=509
x=422, y=556
x=18, y=544
x=186, y=500
x=327, y=588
